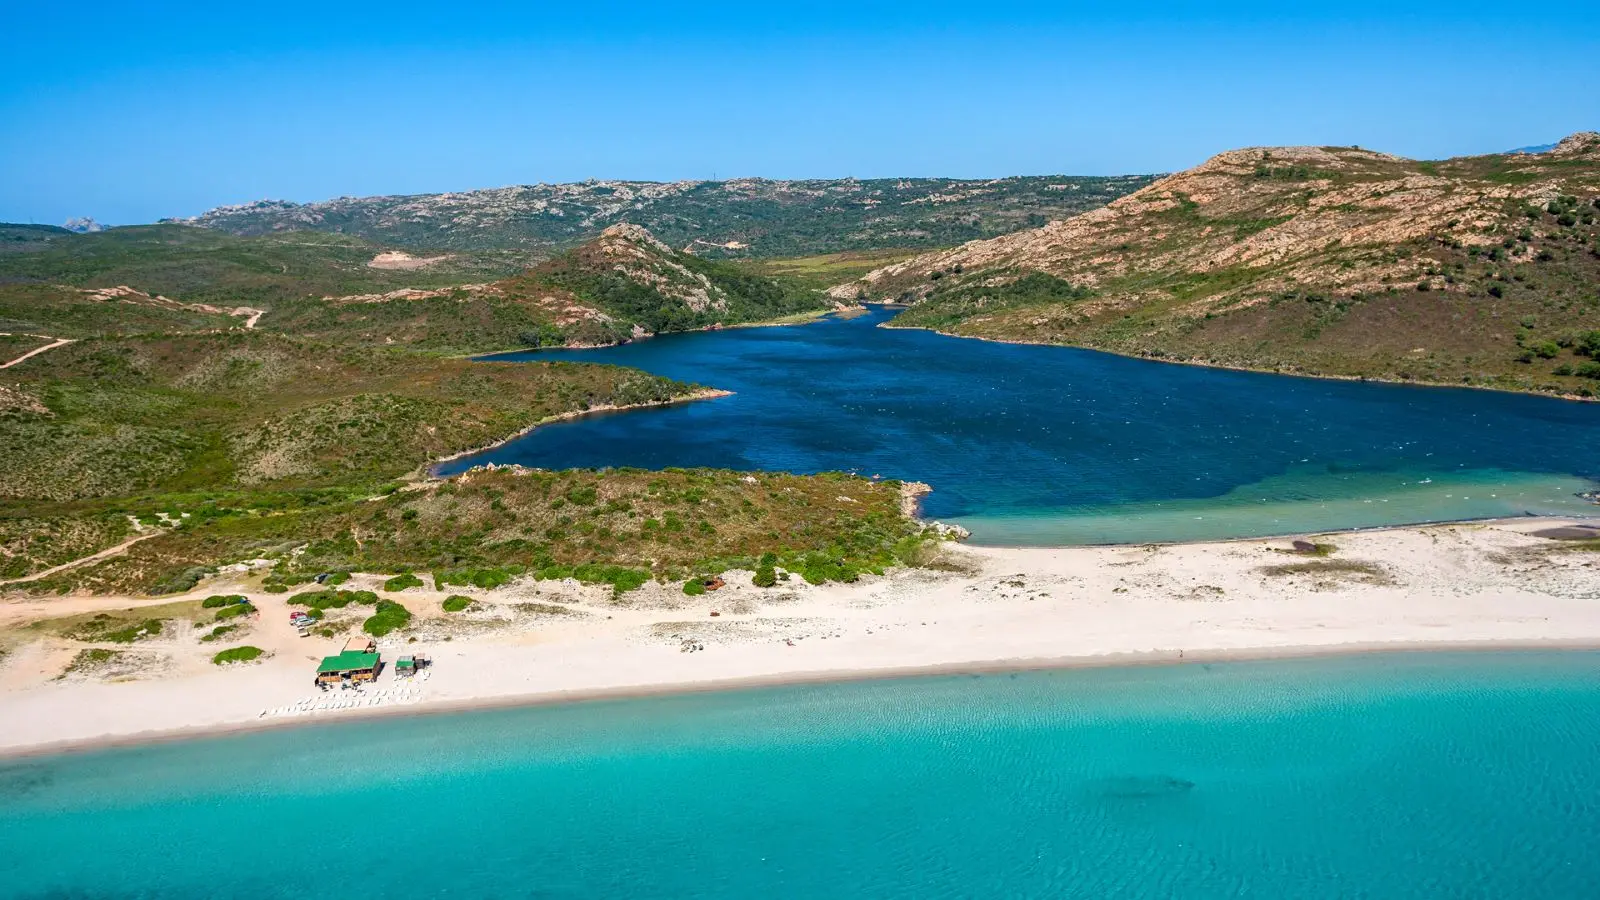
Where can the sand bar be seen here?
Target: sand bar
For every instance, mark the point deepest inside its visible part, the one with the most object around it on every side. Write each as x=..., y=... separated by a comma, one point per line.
x=1491, y=584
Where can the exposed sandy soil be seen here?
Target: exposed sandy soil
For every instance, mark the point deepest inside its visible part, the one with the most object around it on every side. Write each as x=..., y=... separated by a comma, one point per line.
x=398, y=259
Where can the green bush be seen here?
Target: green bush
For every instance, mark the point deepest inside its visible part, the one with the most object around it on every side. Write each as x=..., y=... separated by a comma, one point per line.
x=1588, y=370
x=234, y=611
x=218, y=633
x=457, y=603
x=237, y=655
x=766, y=576
x=182, y=580
x=1546, y=349
x=694, y=587
x=275, y=588
x=402, y=582
x=217, y=600
x=488, y=577
x=389, y=617
x=326, y=599
x=621, y=578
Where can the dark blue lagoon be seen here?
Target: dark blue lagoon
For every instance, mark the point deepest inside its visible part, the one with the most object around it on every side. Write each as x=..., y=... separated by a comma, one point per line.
x=1053, y=445
x=1399, y=776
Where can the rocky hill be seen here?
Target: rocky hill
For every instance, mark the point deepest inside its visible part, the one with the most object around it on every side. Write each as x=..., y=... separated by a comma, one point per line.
x=1326, y=260
x=746, y=217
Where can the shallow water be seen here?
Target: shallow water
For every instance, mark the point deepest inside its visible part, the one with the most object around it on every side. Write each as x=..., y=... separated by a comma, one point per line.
x=1053, y=445
x=1386, y=776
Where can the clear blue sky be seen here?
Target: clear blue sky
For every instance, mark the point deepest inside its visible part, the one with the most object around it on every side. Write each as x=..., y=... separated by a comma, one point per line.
x=133, y=111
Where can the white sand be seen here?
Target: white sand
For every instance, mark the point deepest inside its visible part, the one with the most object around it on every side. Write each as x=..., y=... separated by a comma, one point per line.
x=1487, y=584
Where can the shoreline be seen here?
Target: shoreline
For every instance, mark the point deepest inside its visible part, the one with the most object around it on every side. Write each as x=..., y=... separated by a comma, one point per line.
x=1481, y=586
x=1576, y=398
x=798, y=678
x=427, y=470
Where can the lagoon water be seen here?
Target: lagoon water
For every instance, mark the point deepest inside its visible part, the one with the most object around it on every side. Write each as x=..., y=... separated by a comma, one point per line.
x=1385, y=776
x=1030, y=445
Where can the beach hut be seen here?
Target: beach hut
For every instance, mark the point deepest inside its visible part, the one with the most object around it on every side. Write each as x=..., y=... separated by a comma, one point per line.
x=352, y=667
x=405, y=666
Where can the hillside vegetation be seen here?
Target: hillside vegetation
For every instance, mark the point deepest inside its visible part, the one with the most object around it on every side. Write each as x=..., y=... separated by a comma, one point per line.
x=198, y=265
x=750, y=217
x=342, y=291
x=617, y=527
x=203, y=412
x=622, y=285
x=1322, y=260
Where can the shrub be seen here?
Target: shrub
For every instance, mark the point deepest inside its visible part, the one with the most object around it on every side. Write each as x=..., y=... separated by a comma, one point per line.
x=766, y=576
x=218, y=633
x=457, y=603
x=402, y=582
x=694, y=587
x=237, y=655
x=275, y=588
x=333, y=599
x=1546, y=349
x=621, y=578
x=389, y=616
x=1588, y=370
x=335, y=579
x=234, y=611
x=182, y=580
x=217, y=600
x=488, y=578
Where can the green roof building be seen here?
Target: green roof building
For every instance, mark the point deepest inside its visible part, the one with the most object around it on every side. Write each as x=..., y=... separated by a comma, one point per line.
x=348, y=665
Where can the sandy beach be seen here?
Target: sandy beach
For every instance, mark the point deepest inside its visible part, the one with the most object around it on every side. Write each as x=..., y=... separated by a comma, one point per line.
x=1486, y=584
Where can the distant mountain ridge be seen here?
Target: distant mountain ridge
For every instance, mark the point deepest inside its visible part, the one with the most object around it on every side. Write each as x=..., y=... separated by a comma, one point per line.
x=744, y=217
x=1327, y=260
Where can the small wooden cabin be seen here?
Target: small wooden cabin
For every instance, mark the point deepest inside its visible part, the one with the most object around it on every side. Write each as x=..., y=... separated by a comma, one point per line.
x=347, y=666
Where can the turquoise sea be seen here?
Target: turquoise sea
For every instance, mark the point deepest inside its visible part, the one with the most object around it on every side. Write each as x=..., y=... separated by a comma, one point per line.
x=1052, y=445
x=1421, y=775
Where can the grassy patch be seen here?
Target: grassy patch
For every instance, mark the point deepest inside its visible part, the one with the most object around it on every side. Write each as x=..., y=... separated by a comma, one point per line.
x=457, y=603
x=237, y=655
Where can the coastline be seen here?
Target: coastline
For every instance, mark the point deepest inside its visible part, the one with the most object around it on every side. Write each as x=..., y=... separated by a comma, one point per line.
x=427, y=470
x=1484, y=586
x=977, y=667
x=1259, y=370
x=800, y=318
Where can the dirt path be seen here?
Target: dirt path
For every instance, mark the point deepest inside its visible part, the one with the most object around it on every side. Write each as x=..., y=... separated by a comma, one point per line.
x=59, y=342
x=93, y=557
